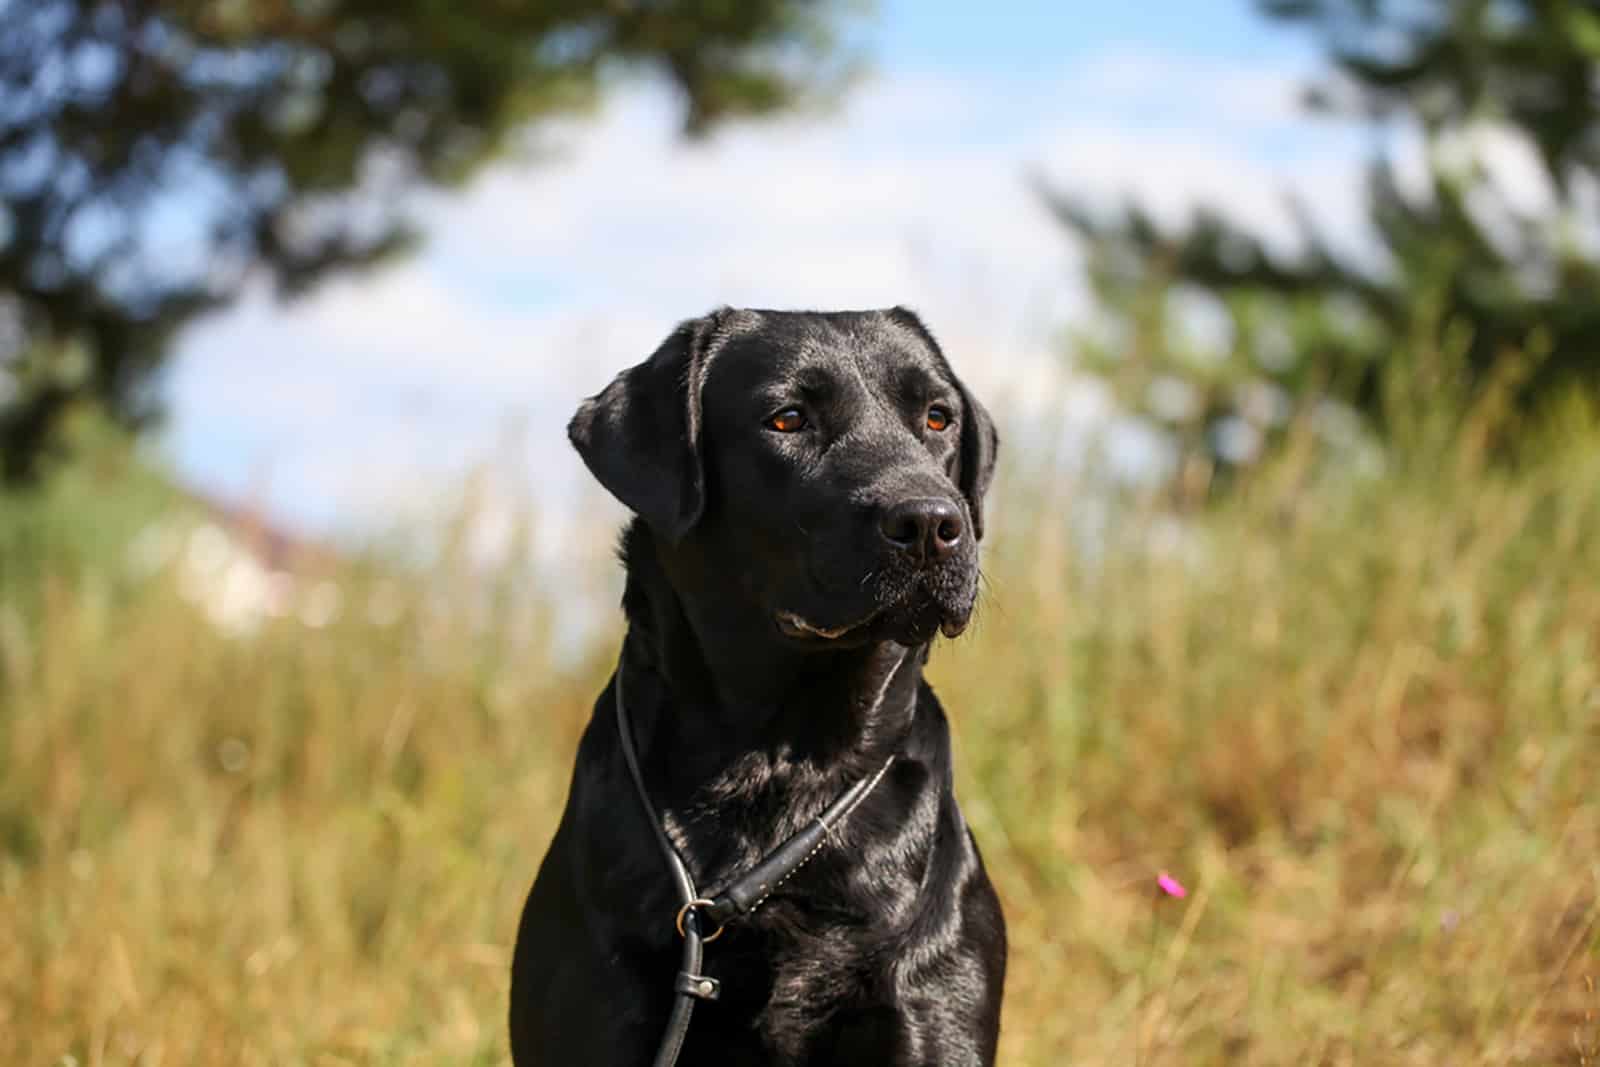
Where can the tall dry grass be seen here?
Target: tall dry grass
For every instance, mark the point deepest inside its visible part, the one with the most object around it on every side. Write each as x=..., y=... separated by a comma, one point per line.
x=1359, y=715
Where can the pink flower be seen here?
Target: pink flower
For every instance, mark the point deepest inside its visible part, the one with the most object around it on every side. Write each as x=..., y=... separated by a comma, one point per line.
x=1171, y=886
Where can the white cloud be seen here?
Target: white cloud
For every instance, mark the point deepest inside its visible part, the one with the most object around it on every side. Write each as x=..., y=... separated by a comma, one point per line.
x=1513, y=163
x=539, y=283
x=1174, y=133
x=1155, y=86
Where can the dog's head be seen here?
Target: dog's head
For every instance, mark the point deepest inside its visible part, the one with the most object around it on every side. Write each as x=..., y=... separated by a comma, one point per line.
x=830, y=465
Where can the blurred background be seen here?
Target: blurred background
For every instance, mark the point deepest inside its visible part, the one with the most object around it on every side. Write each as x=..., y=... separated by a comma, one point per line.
x=1287, y=311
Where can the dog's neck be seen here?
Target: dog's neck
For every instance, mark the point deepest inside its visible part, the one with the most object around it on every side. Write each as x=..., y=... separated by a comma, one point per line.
x=728, y=686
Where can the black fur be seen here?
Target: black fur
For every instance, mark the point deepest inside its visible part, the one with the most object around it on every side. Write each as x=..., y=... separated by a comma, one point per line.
x=888, y=947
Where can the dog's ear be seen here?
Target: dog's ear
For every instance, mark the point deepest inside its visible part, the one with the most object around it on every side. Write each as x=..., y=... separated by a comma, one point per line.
x=640, y=436
x=979, y=440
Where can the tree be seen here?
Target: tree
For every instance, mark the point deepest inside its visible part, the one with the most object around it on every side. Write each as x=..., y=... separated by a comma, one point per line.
x=1463, y=281
x=154, y=154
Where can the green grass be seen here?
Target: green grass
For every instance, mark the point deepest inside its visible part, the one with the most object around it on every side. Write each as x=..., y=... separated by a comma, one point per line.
x=1359, y=717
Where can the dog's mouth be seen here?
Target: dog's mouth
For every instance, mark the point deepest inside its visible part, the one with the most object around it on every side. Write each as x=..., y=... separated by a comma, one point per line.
x=901, y=622
x=793, y=625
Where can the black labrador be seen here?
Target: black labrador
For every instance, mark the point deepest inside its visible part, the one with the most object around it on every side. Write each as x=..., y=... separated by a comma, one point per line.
x=809, y=496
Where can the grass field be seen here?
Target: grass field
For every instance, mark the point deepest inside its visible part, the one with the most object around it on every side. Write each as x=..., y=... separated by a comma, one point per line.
x=1359, y=716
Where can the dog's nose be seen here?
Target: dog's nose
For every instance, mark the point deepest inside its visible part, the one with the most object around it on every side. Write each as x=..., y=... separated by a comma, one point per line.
x=924, y=528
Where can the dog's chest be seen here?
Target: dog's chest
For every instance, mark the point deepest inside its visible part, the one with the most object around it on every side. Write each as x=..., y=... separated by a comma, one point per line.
x=824, y=970
x=816, y=974
x=800, y=997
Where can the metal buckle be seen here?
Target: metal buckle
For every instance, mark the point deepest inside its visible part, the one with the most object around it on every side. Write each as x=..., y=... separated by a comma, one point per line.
x=683, y=913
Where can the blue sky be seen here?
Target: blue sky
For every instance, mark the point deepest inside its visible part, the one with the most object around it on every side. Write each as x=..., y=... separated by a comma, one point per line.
x=1042, y=36
x=363, y=405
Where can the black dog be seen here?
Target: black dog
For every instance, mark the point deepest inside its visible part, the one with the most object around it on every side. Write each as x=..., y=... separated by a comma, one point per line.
x=809, y=491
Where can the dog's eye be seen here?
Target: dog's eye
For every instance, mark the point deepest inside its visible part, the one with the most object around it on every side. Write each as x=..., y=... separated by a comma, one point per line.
x=789, y=420
x=938, y=418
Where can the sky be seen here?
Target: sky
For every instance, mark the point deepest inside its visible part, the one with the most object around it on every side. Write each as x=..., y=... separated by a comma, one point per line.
x=365, y=404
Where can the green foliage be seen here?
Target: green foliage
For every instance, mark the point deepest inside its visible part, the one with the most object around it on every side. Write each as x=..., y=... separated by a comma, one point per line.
x=69, y=526
x=1506, y=295
x=1357, y=716
x=155, y=154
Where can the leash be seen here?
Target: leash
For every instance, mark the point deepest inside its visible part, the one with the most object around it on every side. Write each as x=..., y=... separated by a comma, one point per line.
x=744, y=894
